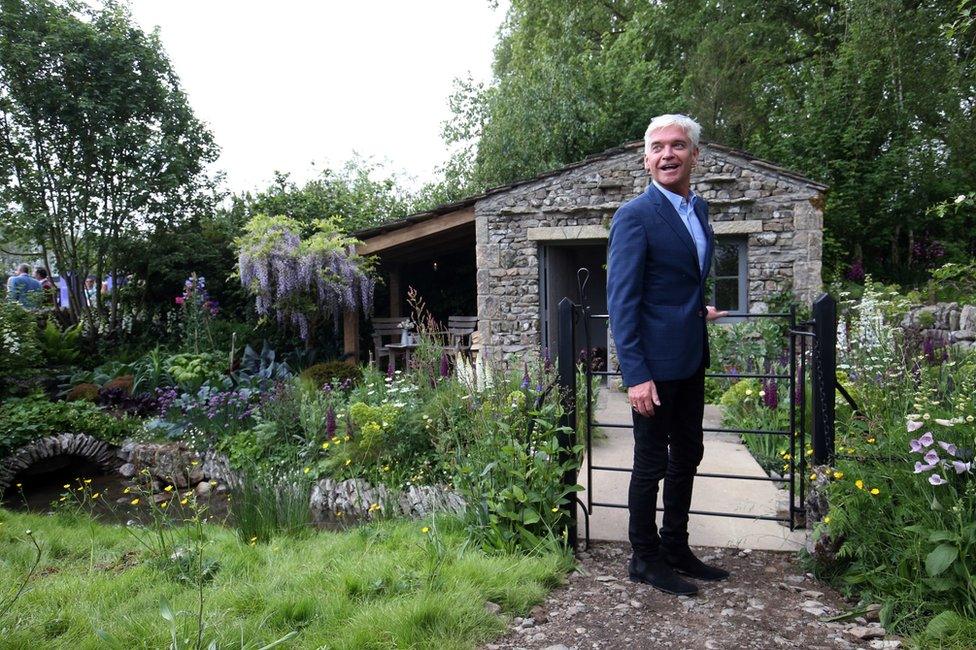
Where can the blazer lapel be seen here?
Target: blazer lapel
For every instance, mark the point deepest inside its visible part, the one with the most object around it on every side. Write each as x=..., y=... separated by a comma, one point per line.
x=670, y=216
x=701, y=211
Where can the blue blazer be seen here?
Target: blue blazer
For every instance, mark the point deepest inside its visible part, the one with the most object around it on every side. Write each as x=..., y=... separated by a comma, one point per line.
x=656, y=290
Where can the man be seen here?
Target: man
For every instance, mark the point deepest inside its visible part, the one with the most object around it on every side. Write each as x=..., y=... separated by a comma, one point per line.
x=50, y=292
x=660, y=253
x=21, y=286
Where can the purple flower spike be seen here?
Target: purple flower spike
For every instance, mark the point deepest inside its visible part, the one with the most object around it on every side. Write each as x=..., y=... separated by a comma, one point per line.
x=390, y=368
x=919, y=467
x=330, y=422
x=445, y=365
x=935, y=479
x=961, y=467
x=546, y=359
x=931, y=457
x=927, y=439
x=525, y=378
x=949, y=447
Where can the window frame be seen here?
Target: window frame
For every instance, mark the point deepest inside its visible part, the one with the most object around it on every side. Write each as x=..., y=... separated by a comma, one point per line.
x=742, y=246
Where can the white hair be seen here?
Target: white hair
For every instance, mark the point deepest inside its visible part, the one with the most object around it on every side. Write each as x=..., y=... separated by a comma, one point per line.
x=691, y=128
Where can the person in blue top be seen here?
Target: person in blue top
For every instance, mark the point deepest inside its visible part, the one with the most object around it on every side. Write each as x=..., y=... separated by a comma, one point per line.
x=660, y=252
x=22, y=288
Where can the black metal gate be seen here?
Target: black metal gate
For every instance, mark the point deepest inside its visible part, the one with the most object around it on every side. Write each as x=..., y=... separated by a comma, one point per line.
x=810, y=349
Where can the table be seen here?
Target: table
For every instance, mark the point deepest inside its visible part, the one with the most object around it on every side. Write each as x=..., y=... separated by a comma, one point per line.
x=401, y=348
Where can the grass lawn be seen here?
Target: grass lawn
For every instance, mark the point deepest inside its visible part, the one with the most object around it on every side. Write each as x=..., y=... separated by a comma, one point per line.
x=385, y=585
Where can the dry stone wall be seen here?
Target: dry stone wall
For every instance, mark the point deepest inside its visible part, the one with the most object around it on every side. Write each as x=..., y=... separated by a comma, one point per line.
x=777, y=213
x=948, y=322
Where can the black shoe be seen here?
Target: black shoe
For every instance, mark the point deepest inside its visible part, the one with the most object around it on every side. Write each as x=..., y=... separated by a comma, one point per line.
x=659, y=575
x=684, y=562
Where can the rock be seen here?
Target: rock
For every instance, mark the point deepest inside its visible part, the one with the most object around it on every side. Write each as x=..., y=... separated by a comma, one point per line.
x=622, y=607
x=558, y=646
x=127, y=470
x=755, y=603
x=873, y=613
x=203, y=488
x=728, y=611
x=493, y=608
x=605, y=579
x=866, y=632
x=539, y=614
x=809, y=593
x=527, y=623
x=884, y=644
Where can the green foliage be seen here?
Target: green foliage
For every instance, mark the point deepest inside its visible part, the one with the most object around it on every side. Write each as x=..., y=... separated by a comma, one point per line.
x=191, y=371
x=26, y=419
x=19, y=351
x=59, y=347
x=902, y=539
x=952, y=282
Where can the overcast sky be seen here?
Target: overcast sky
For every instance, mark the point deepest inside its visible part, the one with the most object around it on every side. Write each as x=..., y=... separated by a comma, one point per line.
x=287, y=84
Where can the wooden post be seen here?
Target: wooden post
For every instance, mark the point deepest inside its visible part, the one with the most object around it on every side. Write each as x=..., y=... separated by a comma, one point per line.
x=395, y=290
x=350, y=335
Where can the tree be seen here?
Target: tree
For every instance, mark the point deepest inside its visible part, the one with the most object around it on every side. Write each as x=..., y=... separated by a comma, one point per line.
x=872, y=97
x=352, y=193
x=97, y=140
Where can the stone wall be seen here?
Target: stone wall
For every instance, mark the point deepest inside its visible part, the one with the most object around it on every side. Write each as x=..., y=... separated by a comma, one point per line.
x=949, y=322
x=777, y=212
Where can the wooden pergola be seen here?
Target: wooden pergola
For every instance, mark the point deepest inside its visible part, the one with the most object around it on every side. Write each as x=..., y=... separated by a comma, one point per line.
x=411, y=240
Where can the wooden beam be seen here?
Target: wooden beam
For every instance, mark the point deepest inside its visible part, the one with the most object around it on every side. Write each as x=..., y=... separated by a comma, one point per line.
x=350, y=334
x=440, y=223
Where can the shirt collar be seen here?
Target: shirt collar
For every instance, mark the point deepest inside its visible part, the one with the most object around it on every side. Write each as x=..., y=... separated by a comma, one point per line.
x=676, y=199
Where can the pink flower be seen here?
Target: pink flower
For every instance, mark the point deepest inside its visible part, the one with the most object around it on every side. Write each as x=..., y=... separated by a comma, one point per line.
x=948, y=446
x=179, y=300
x=961, y=467
x=931, y=457
x=927, y=439
x=919, y=467
x=914, y=425
x=935, y=479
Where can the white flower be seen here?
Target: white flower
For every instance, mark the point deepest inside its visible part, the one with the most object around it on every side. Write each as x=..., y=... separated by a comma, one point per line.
x=960, y=198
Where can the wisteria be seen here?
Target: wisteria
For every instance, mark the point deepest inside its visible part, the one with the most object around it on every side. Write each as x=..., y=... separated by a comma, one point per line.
x=299, y=281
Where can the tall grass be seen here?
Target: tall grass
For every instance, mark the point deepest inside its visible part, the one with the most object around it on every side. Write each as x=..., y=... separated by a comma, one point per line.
x=264, y=505
x=371, y=587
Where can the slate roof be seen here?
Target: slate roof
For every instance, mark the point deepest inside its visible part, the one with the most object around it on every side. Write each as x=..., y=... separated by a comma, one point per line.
x=603, y=155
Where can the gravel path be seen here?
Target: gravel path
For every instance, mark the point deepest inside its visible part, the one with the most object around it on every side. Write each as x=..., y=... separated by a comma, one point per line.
x=769, y=602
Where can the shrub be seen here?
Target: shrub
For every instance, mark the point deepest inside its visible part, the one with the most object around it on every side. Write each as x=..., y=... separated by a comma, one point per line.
x=26, y=419
x=335, y=373
x=123, y=383
x=59, y=347
x=83, y=392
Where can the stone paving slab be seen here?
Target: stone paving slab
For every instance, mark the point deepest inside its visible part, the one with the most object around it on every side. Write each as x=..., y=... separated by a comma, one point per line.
x=724, y=453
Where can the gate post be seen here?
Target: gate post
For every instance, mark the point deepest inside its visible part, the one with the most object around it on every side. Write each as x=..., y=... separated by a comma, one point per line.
x=824, y=377
x=566, y=365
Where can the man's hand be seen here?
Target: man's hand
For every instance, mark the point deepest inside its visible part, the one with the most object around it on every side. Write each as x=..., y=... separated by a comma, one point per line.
x=643, y=398
x=714, y=314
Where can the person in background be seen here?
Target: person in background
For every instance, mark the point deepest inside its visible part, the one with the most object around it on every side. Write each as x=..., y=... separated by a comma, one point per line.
x=91, y=291
x=21, y=286
x=50, y=291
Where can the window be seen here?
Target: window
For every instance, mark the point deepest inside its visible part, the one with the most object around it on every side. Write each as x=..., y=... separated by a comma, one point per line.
x=730, y=275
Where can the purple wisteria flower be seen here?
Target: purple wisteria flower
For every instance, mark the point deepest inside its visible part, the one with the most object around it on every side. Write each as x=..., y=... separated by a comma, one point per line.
x=935, y=479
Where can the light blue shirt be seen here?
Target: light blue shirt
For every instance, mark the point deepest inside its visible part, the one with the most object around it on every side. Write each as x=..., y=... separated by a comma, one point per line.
x=20, y=288
x=686, y=210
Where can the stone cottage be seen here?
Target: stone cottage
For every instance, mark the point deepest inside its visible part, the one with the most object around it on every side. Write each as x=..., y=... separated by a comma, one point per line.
x=509, y=255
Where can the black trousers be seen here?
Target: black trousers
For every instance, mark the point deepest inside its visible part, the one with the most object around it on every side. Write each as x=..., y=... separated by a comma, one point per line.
x=667, y=445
